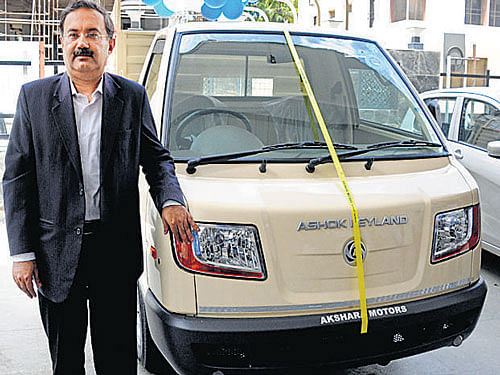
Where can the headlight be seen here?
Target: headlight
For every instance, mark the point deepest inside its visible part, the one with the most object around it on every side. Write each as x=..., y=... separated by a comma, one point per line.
x=224, y=250
x=455, y=232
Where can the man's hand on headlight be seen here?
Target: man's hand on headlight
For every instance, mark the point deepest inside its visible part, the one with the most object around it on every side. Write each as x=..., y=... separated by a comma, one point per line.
x=179, y=221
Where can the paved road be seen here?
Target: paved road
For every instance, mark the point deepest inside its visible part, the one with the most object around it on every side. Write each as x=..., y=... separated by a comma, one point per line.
x=23, y=348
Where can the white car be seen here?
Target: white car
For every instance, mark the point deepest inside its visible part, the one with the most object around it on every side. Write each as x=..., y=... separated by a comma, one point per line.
x=5, y=125
x=470, y=119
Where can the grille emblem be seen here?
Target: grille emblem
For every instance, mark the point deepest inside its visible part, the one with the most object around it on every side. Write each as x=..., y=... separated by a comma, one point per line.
x=350, y=253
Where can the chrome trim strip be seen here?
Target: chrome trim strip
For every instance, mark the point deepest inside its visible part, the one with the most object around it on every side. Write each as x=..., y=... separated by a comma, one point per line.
x=335, y=305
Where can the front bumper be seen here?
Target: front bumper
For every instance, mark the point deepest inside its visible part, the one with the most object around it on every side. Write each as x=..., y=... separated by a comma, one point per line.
x=195, y=345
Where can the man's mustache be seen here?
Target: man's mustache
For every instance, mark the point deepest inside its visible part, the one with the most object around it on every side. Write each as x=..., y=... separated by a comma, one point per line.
x=83, y=52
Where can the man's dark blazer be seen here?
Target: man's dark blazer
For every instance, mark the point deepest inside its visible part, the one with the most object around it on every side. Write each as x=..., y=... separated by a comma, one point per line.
x=43, y=185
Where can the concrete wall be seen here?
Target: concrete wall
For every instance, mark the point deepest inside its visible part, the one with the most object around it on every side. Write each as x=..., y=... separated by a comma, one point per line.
x=421, y=67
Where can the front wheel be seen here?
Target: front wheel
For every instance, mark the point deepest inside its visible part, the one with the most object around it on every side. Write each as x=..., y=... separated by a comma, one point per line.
x=147, y=352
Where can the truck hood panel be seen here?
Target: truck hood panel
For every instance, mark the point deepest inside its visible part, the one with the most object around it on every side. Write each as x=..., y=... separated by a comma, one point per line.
x=305, y=223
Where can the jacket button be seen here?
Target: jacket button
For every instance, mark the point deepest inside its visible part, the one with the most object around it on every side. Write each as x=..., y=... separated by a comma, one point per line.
x=78, y=231
x=81, y=191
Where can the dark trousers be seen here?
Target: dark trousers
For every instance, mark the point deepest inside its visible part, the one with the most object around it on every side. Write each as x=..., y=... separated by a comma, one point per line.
x=111, y=301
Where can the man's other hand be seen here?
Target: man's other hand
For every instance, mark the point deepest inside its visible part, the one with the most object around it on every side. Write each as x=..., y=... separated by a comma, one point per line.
x=23, y=274
x=180, y=222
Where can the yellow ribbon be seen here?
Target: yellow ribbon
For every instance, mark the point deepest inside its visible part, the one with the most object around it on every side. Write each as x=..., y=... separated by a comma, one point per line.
x=307, y=103
x=340, y=173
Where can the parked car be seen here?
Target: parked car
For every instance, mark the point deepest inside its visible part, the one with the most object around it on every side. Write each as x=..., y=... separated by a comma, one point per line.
x=5, y=125
x=470, y=119
x=271, y=282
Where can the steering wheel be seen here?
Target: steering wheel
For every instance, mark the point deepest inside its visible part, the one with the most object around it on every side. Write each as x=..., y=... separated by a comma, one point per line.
x=189, y=116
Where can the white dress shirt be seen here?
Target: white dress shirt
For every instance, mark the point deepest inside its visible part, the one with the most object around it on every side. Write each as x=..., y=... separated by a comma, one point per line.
x=88, y=117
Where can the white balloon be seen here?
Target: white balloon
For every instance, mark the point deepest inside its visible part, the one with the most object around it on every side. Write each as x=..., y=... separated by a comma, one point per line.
x=177, y=5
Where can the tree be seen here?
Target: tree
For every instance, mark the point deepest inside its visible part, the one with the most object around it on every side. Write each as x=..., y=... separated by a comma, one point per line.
x=275, y=10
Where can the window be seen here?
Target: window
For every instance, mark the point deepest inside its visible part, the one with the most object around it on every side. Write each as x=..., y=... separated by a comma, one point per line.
x=495, y=13
x=384, y=104
x=480, y=124
x=474, y=10
x=416, y=9
x=407, y=10
x=398, y=10
x=235, y=86
x=232, y=92
x=262, y=86
x=151, y=78
x=154, y=68
x=446, y=107
x=244, y=78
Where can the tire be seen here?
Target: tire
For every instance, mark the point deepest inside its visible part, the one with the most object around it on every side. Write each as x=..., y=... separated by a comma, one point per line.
x=147, y=352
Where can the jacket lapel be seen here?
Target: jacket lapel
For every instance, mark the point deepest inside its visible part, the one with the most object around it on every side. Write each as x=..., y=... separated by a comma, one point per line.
x=64, y=117
x=111, y=119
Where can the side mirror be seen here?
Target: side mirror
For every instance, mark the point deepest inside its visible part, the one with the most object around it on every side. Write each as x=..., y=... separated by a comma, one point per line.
x=494, y=149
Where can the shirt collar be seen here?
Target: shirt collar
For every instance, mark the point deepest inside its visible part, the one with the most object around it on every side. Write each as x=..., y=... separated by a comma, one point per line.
x=97, y=90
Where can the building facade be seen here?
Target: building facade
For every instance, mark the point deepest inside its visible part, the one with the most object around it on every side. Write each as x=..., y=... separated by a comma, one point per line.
x=463, y=29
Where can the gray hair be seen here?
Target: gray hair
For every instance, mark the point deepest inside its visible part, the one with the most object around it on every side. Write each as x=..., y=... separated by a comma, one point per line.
x=89, y=4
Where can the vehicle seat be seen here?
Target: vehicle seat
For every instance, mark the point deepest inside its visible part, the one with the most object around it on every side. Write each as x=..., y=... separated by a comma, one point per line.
x=485, y=134
x=196, y=126
x=225, y=139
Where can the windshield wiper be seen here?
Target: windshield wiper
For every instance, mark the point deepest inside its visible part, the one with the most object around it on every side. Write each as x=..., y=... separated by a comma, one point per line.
x=307, y=144
x=310, y=167
x=193, y=163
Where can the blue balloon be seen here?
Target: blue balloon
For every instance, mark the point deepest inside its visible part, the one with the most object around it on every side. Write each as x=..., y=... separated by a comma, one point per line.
x=210, y=13
x=151, y=2
x=233, y=9
x=162, y=10
x=216, y=3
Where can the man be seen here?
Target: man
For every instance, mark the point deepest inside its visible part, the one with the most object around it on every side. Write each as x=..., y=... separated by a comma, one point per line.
x=71, y=197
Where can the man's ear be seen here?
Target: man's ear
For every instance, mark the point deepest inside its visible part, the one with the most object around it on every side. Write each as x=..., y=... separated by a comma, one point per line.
x=112, y=44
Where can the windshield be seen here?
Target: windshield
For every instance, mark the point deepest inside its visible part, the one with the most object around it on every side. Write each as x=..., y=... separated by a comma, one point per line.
x=232, y=92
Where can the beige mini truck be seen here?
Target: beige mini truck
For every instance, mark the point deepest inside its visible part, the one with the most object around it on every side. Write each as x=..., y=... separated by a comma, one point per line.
x=270, y=282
